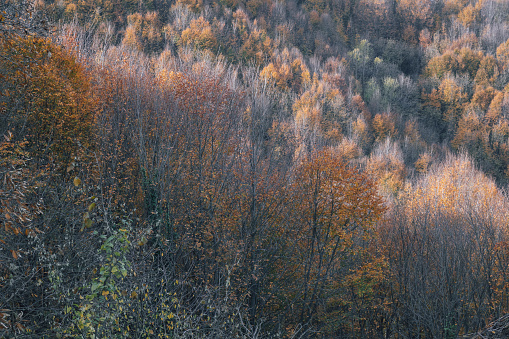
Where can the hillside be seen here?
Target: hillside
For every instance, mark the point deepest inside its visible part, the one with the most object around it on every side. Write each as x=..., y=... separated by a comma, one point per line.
x=233, y=169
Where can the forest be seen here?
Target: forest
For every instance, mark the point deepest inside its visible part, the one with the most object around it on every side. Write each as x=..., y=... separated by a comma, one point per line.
x=254, y=169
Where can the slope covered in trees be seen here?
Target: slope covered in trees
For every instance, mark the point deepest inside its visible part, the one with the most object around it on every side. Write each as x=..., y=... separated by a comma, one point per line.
x=247, y=169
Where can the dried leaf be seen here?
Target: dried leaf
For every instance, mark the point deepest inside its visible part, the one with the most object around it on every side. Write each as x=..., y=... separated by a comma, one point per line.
x=87, y=223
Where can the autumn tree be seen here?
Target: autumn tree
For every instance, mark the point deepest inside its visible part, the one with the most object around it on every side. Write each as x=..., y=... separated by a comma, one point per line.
x=339, y=206
x=199, y=34
x=418, y=14
x=143, y=32
x=386, y=166
x=47, y=117
x=444, y=239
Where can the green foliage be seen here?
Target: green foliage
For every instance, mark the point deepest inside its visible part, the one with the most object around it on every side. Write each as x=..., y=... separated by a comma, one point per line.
x=361, y=59
x=102, y=301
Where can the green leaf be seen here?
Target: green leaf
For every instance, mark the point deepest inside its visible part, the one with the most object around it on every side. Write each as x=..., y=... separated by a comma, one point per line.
x=95, y=286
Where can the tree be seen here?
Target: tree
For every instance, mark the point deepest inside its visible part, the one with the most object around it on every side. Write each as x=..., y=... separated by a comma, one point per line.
x=503, y=54
x=418, y=14
x=384, y=127
x=48, y=112
x=143, y=32
x=49, y=101
x=443, y=246
x=199, y=34
x=361, y=59
x=339, y=207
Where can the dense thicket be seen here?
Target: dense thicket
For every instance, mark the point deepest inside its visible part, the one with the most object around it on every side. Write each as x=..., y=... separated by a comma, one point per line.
x=247, y=169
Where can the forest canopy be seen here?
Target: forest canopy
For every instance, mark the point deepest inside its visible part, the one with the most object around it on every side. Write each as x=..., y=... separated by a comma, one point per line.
x=254, y=169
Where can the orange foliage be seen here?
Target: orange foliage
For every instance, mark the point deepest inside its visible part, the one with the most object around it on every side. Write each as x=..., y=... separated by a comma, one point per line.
x=58, y=109
x=483, y=96
x=288, y=71
x=383, y=126
x=423, y=163
x=459, y=61
x=469, y=130
x=495, y=110
x=337, y=197
x=339, y=207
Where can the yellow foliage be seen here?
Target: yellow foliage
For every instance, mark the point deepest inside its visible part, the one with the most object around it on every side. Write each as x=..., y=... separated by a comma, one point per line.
x=361, y=132
x=503, y=54
x=453, y=97
x=469, y=129
x=299, y=67
x=269, y=72
x=469, y=15
x=307, y=109
x=241, y=20
x=387, y=167
x=483, y=97
x=287, y=70
x=70, y=9
x=456, y=61
x=449, y=90
x=131, y=39
x=199, y=33
x=454, y=188
x=348, y=149
x=422, y=164
x=257, y=45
